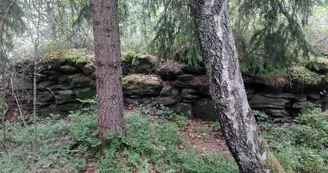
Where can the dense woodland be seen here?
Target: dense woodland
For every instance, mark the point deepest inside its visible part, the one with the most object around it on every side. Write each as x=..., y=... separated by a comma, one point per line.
x=195, y=86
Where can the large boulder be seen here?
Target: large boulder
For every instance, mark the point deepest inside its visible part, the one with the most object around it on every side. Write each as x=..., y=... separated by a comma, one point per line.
x=143, y=63
x=259, y=101
x=205, y=110
x=138, y=63
x=140, y=84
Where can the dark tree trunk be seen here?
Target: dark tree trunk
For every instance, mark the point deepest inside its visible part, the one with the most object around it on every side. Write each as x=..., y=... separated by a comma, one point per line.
x=227, y=89
x=108, y=67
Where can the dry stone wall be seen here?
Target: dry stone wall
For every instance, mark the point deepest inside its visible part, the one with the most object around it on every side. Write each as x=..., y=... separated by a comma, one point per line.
x=67, y=76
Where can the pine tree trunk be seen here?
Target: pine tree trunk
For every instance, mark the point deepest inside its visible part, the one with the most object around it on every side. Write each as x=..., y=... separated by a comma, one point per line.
x=227, y=89
x=108, y=67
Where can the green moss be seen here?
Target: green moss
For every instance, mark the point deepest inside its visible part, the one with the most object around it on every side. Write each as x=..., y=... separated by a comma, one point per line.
x=73, y=57
x=143, y=63
x=304, y=75
x=78, y=80
x=128, y=56
x=68, y=68
x=317, y=64
x=137, y=84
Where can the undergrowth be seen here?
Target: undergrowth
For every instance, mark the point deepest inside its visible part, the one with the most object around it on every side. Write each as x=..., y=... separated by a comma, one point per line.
x=302, y=148
x=150, y=144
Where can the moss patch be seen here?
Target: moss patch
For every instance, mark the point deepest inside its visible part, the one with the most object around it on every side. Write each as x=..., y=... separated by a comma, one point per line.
x=303, y=75
x=72, y=57
x=128, y=56
x=318, y=64
x=140, y=63
x=79, y=80
x=137, y=84
x=68, y=68
x=143, y=63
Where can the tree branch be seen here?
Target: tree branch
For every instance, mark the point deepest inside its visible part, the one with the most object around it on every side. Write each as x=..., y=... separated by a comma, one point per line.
x=3, y=21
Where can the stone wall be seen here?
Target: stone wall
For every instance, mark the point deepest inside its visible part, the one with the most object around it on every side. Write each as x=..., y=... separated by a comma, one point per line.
x=64, y=77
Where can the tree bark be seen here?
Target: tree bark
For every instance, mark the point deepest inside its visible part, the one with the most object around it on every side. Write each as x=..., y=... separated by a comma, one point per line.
x=227, y=89
x=108, y=67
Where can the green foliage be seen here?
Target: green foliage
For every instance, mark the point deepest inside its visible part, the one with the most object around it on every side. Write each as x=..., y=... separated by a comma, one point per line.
x=217, y=126
x=302, y=148
x=303, y=75
x=262, y=118
x=11, y=24
x=274, y=32
x=83, y=129
x=147, y=144
x=175, y=31
x=53, y=153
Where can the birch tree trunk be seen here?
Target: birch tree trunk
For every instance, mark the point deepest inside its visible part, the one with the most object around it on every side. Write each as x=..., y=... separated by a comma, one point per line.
x=108, y=67
x=227, y=89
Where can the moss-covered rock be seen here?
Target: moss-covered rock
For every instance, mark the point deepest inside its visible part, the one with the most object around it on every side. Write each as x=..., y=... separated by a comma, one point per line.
x=303, y=75
x=143, y=63
x=79, y=81
x=139, y=84
x=68, y=69
x=128, y=56
x=73, y=57
x=88, y=69
x=317, y=64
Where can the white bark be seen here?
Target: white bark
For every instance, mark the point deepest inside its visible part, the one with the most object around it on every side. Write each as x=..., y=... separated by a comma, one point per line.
x=227, y=88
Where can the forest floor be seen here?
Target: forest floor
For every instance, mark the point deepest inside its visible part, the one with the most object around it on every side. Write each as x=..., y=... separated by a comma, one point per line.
x=202, y=136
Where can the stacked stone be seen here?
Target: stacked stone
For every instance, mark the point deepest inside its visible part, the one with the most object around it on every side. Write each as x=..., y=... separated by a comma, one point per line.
x=64, y=78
